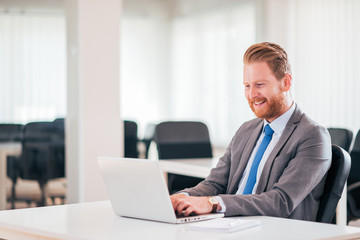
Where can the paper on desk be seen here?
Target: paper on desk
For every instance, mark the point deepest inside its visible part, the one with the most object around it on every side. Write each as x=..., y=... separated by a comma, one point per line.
x=224, y=224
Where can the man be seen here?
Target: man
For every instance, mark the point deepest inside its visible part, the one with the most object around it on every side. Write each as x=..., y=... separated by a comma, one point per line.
x=275, y=164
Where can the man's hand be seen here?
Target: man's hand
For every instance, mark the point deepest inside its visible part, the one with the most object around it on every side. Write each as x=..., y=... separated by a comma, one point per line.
x=184, y=205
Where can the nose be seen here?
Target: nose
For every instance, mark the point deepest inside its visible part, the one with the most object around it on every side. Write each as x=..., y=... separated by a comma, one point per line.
x=252, y=92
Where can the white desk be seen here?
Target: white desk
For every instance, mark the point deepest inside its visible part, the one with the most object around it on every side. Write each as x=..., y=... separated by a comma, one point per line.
x=200, y=167
x=197, y=167
x=11, y=148
x=97, y=221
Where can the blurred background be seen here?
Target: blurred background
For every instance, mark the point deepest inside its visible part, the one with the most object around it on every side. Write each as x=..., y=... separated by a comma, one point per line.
x=176, y=60
x=182, y=59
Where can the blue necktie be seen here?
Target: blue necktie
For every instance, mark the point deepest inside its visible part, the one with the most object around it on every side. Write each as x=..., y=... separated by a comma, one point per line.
x=253, y=171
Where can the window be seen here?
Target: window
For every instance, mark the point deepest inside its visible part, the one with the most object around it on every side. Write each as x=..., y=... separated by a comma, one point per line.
x=32, y=67
x=207, y=51
x=188, y=67
x=326, y=61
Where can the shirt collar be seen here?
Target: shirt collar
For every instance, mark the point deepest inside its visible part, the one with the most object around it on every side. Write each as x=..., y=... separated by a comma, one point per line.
x=279, y=123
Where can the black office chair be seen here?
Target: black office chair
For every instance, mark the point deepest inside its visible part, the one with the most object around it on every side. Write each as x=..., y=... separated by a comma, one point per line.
x=341, y=137
x=130, y=139
x=354, y=181
x=148, y=137
x=176, y=140
x=59, y=127
x=39, y=159
x=10, y=132
x=56, y=167
x=334, y=184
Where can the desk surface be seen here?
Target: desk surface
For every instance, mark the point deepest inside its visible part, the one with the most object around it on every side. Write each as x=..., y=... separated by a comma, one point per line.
x=96, y=220
x=194, y=167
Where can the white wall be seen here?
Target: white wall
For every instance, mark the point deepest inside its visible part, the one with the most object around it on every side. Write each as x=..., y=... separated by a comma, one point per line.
x=93, y=124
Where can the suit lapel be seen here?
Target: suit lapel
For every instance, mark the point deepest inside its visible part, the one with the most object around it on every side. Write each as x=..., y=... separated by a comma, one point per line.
x=288, y=130
x=234, y=184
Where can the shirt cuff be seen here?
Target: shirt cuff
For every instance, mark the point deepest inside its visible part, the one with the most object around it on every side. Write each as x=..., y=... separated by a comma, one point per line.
x=222, y=204
x=184, y=193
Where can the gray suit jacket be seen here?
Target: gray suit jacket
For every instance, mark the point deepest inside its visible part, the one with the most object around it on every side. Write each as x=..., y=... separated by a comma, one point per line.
x=293, y=177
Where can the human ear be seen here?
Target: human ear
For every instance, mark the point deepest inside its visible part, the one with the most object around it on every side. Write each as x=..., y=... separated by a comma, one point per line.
x=286, y=82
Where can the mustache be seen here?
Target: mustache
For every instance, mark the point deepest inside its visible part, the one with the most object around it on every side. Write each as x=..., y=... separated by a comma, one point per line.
x=258, y=99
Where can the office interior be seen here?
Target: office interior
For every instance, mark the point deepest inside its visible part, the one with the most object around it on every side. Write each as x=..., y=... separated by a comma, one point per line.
x=98, y=63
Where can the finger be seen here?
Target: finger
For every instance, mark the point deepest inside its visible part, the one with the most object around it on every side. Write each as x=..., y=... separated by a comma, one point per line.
x=177, y=202
x=183, y=205
x=188, y=211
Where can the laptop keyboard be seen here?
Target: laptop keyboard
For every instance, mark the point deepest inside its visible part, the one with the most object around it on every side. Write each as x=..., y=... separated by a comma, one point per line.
x=182, y=216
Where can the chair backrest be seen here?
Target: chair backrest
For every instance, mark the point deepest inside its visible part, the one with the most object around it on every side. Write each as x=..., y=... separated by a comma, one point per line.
x=354, y=175
x=130, y=139
x=334, y=184
x=356, y=146
x=59, y=123
x=56, y=167
x=353, y=183
x=43, y=152
x=182, y=140
x=341, y=137
x=10, y=132
x=38, y=131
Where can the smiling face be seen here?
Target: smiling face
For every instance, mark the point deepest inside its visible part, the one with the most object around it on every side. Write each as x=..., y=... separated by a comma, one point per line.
x=267, y=96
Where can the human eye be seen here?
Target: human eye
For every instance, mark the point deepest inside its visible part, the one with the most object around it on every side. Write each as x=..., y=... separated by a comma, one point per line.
x=246, y=85
x=259, y=84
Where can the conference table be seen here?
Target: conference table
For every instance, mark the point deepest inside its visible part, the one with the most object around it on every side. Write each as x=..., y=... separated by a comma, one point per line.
x=193, y=167
x=201, y=167
x=96, y=220
x=6, y=149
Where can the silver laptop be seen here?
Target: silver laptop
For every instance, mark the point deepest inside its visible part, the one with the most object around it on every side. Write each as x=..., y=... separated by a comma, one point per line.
x=137, y=189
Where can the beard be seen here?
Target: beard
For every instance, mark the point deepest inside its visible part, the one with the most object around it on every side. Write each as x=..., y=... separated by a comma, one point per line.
x=274, y=108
